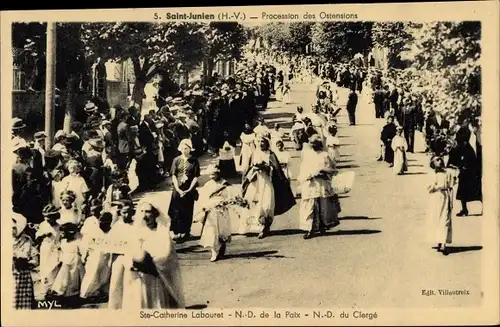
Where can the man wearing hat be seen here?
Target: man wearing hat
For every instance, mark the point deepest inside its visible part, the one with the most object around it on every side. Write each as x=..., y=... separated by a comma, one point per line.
x=18, y=127
x=94, y=116
x=39, y=151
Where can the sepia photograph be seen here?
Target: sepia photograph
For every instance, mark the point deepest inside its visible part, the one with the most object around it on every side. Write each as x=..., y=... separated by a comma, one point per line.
x=192, y=164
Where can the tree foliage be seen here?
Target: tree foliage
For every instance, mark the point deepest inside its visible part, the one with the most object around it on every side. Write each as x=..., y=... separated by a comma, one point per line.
x=151, y=46
x=394, y=36
x=446, y=60
x=340, y=41
x=291, y=38
x=225, y=40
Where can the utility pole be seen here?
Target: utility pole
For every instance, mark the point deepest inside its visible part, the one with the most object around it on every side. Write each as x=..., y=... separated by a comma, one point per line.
x=50, y=84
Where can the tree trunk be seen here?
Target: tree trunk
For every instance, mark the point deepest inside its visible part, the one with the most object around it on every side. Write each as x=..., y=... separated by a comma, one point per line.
x=138, y=92
x=70, y=104
x=209, y=67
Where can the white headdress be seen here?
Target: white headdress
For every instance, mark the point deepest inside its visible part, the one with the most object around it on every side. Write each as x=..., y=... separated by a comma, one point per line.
x=185, y=142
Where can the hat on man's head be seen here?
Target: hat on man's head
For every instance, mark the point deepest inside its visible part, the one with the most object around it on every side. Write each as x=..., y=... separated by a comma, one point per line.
x=97, y=143
x=169, y=100
x=40, y=135
x=90, y=107
x=18, y=123
x=19, y=144
x=177, y=100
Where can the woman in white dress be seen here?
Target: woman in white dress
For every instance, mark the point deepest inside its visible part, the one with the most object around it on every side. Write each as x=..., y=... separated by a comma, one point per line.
x=318, y=122
x=266, y=188
x=49, y=238
x=399, y=146
x=247, y=147
x=151, y=275
x=283, y=158
x=95, y=282
x=214, y=214
x=440, y=204
x=319, y=207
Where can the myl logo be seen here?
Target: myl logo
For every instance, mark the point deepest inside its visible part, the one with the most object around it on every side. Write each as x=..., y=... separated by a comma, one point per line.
x=48, y=304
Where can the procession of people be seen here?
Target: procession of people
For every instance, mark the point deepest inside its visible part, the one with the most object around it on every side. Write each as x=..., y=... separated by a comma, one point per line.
x=84, y=187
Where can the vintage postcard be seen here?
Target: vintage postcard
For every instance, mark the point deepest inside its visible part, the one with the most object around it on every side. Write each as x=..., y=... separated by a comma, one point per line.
x=267, y=165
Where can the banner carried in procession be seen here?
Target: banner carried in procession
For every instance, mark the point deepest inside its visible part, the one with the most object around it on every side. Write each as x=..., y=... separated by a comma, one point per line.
x=116, y=244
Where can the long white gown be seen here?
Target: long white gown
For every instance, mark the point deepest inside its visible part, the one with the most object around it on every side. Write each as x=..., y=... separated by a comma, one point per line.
x=132, y=290
x=399, y=146
x=440, y=207
x=260, y=192
x=97, y=263
x=247, y=148
x=70, y=275
x=49, y=254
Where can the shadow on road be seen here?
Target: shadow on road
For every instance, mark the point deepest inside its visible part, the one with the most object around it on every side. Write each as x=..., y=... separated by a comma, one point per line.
x=278, y=115
x=354, y=232
x=197, y=307
x=416, y=173
x=347, y=166
x=459, y=249
x=254, y=255
x=285, y=232
x=358, y=218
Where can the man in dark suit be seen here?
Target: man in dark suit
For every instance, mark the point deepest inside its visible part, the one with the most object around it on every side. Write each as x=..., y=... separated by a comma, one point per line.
x=378, y=100
x=125, y=148
x=393, y=98
x=409, y=123
x=352, y=102
x=147, y=165
x=435, y=125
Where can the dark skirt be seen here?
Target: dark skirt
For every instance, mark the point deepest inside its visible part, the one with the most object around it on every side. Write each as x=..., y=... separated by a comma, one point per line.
x=227, y=168
x=469, y=187
x=181, y=212
x=325, y=214
x=24, y=295
x=388, y=153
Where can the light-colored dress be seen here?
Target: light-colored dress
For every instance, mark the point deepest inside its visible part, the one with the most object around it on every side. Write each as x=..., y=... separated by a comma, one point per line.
x=399, y=146
x=146, y=291
x=68, y=280
x=319, y=124
x=317, y=194
x=247, y=148
x=284, y=159
x=217, y=222
x=440, y=207
x=49, y=254
x=260, y=193
x=78, y=185
x=260, y=130
x=116, y=284
x=97, y=263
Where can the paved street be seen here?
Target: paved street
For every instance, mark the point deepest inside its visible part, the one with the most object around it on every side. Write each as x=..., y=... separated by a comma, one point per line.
x=377, y=257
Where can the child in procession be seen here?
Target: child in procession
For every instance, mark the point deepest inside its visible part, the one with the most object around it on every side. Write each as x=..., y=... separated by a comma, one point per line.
x=69, y=210
x=69, y=277
x=283, y=158
x=441, y=204
x=95, y=283
x=226, y=160
x=399, y=146
x=333, y=143
x=49, y=238
x=215, y=198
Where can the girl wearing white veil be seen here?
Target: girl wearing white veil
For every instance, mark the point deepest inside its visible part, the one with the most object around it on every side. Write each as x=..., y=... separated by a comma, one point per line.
x=151, y=276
